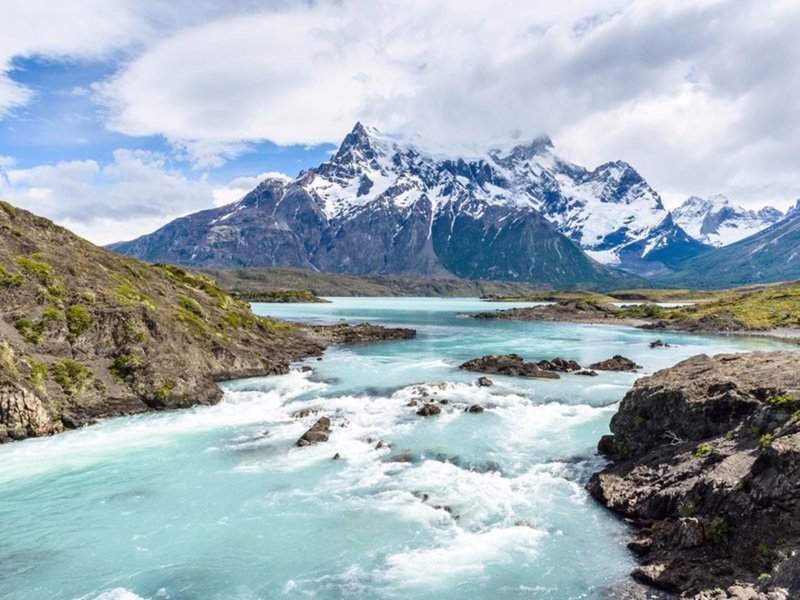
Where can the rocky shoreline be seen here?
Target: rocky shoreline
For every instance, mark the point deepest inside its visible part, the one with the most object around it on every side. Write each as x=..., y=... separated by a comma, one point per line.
x=706, y=468
x=600, y=313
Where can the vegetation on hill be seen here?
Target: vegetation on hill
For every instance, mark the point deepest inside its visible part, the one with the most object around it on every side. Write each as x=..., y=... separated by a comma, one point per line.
x=747, y=309
x=86, y=333
x=281, y=296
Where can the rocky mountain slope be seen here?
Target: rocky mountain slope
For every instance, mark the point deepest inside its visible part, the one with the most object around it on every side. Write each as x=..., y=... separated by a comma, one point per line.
x=383, y=207
x=768, y=256
x=717, y=222
x=706, y=467
x=86, y=333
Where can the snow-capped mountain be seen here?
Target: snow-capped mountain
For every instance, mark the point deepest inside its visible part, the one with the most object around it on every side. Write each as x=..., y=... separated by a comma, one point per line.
x=383, y=206
x=717, y=222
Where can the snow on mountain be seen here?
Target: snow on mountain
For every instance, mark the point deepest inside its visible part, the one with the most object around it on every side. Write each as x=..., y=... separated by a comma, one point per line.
x=384, y=205
x=606, y=211
x=717, y=222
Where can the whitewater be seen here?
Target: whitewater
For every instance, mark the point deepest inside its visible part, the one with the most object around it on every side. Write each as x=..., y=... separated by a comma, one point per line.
x=218, y=502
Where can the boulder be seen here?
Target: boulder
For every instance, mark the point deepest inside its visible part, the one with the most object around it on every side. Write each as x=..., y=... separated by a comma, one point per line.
x=475, y=408
x=507, y=364
x=617, y=363
x=428, y=410
x=485, y=382
x=318, y=432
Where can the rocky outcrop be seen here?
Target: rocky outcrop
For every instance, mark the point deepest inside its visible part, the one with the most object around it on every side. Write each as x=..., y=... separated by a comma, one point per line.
x=568, y=311
x=707, y=468
x=616, y=363
x=429, y=410
x=353, y=334
x=508, y=364
x=318, y=432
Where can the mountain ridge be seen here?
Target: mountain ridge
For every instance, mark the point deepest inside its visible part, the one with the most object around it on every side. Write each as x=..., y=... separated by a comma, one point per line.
x=380, y=207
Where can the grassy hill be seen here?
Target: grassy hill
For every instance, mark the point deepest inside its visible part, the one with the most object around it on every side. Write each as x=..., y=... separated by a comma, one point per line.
x=86, y=333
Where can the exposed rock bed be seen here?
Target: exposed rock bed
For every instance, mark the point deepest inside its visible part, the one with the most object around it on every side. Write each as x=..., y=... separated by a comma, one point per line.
x=507, y=364
x=571, y=311
x=514, y=365
x=353, y=334
x=707, y=468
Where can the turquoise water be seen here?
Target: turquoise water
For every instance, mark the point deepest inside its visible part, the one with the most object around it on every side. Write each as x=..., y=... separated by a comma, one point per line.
x=217, y=502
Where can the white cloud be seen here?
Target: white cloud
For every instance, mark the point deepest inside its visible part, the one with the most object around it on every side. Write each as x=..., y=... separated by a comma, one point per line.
x=695, y=93
x=134, y=194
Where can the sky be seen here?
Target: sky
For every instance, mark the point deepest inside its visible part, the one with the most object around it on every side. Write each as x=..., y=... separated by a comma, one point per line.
x=117, y=116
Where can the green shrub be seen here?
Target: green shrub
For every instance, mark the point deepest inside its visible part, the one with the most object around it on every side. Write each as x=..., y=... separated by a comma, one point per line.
x=32, y=333
x=719, y=529
x=702, y=450
x=686, y=509
x=126, y=292
x=70, y=375
x=190, y=304
x=38, y=374
x=8, y=280
x=763, y=577
x=782, y=401
x=125, y=365
x=36, y=268
x=763, y=549
x=162, y=393
x=78, y=320
x=765, y=441
x=133, y=333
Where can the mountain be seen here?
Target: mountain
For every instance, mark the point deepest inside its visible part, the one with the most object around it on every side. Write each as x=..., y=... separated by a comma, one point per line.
x=86, y=333
x=770, y=255
x=718, y=223
x=379, y=206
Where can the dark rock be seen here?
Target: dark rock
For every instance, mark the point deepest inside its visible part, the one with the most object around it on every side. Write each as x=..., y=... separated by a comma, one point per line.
x=485, y=382
x=659, y=344
x=508, y=364
x=412, y=402
x=617, y=363
x=444, y=401
x=703, y=486
x=475, y=408
x=337, y=456
x=381, y=444
x=428, y=410
x=559, y=364
x=586, y=373
x=318, y=432
x=305, y=369
x=403, y=457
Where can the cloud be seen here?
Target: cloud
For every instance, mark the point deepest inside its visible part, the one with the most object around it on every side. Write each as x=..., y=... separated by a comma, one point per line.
x=132, y=195
x=698, y=94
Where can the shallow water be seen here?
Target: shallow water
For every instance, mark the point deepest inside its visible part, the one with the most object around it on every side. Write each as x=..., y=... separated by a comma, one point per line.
x=217, y=502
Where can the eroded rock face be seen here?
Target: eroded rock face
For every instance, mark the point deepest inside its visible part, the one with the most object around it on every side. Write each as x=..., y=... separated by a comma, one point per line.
x=707, y=466
x=23, y=414
x=508, y=364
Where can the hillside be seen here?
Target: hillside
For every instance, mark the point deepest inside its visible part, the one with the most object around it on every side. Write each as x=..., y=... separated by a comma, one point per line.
x=768, y=256
x=86, y=333
x=331, y=284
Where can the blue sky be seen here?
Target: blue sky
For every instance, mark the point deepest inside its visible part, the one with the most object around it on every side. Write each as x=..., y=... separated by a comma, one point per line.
x=117, y=116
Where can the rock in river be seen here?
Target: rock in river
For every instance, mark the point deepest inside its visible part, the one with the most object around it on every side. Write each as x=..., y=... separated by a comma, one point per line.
x=617, y=363
x=507, y=364
x=318, y=432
